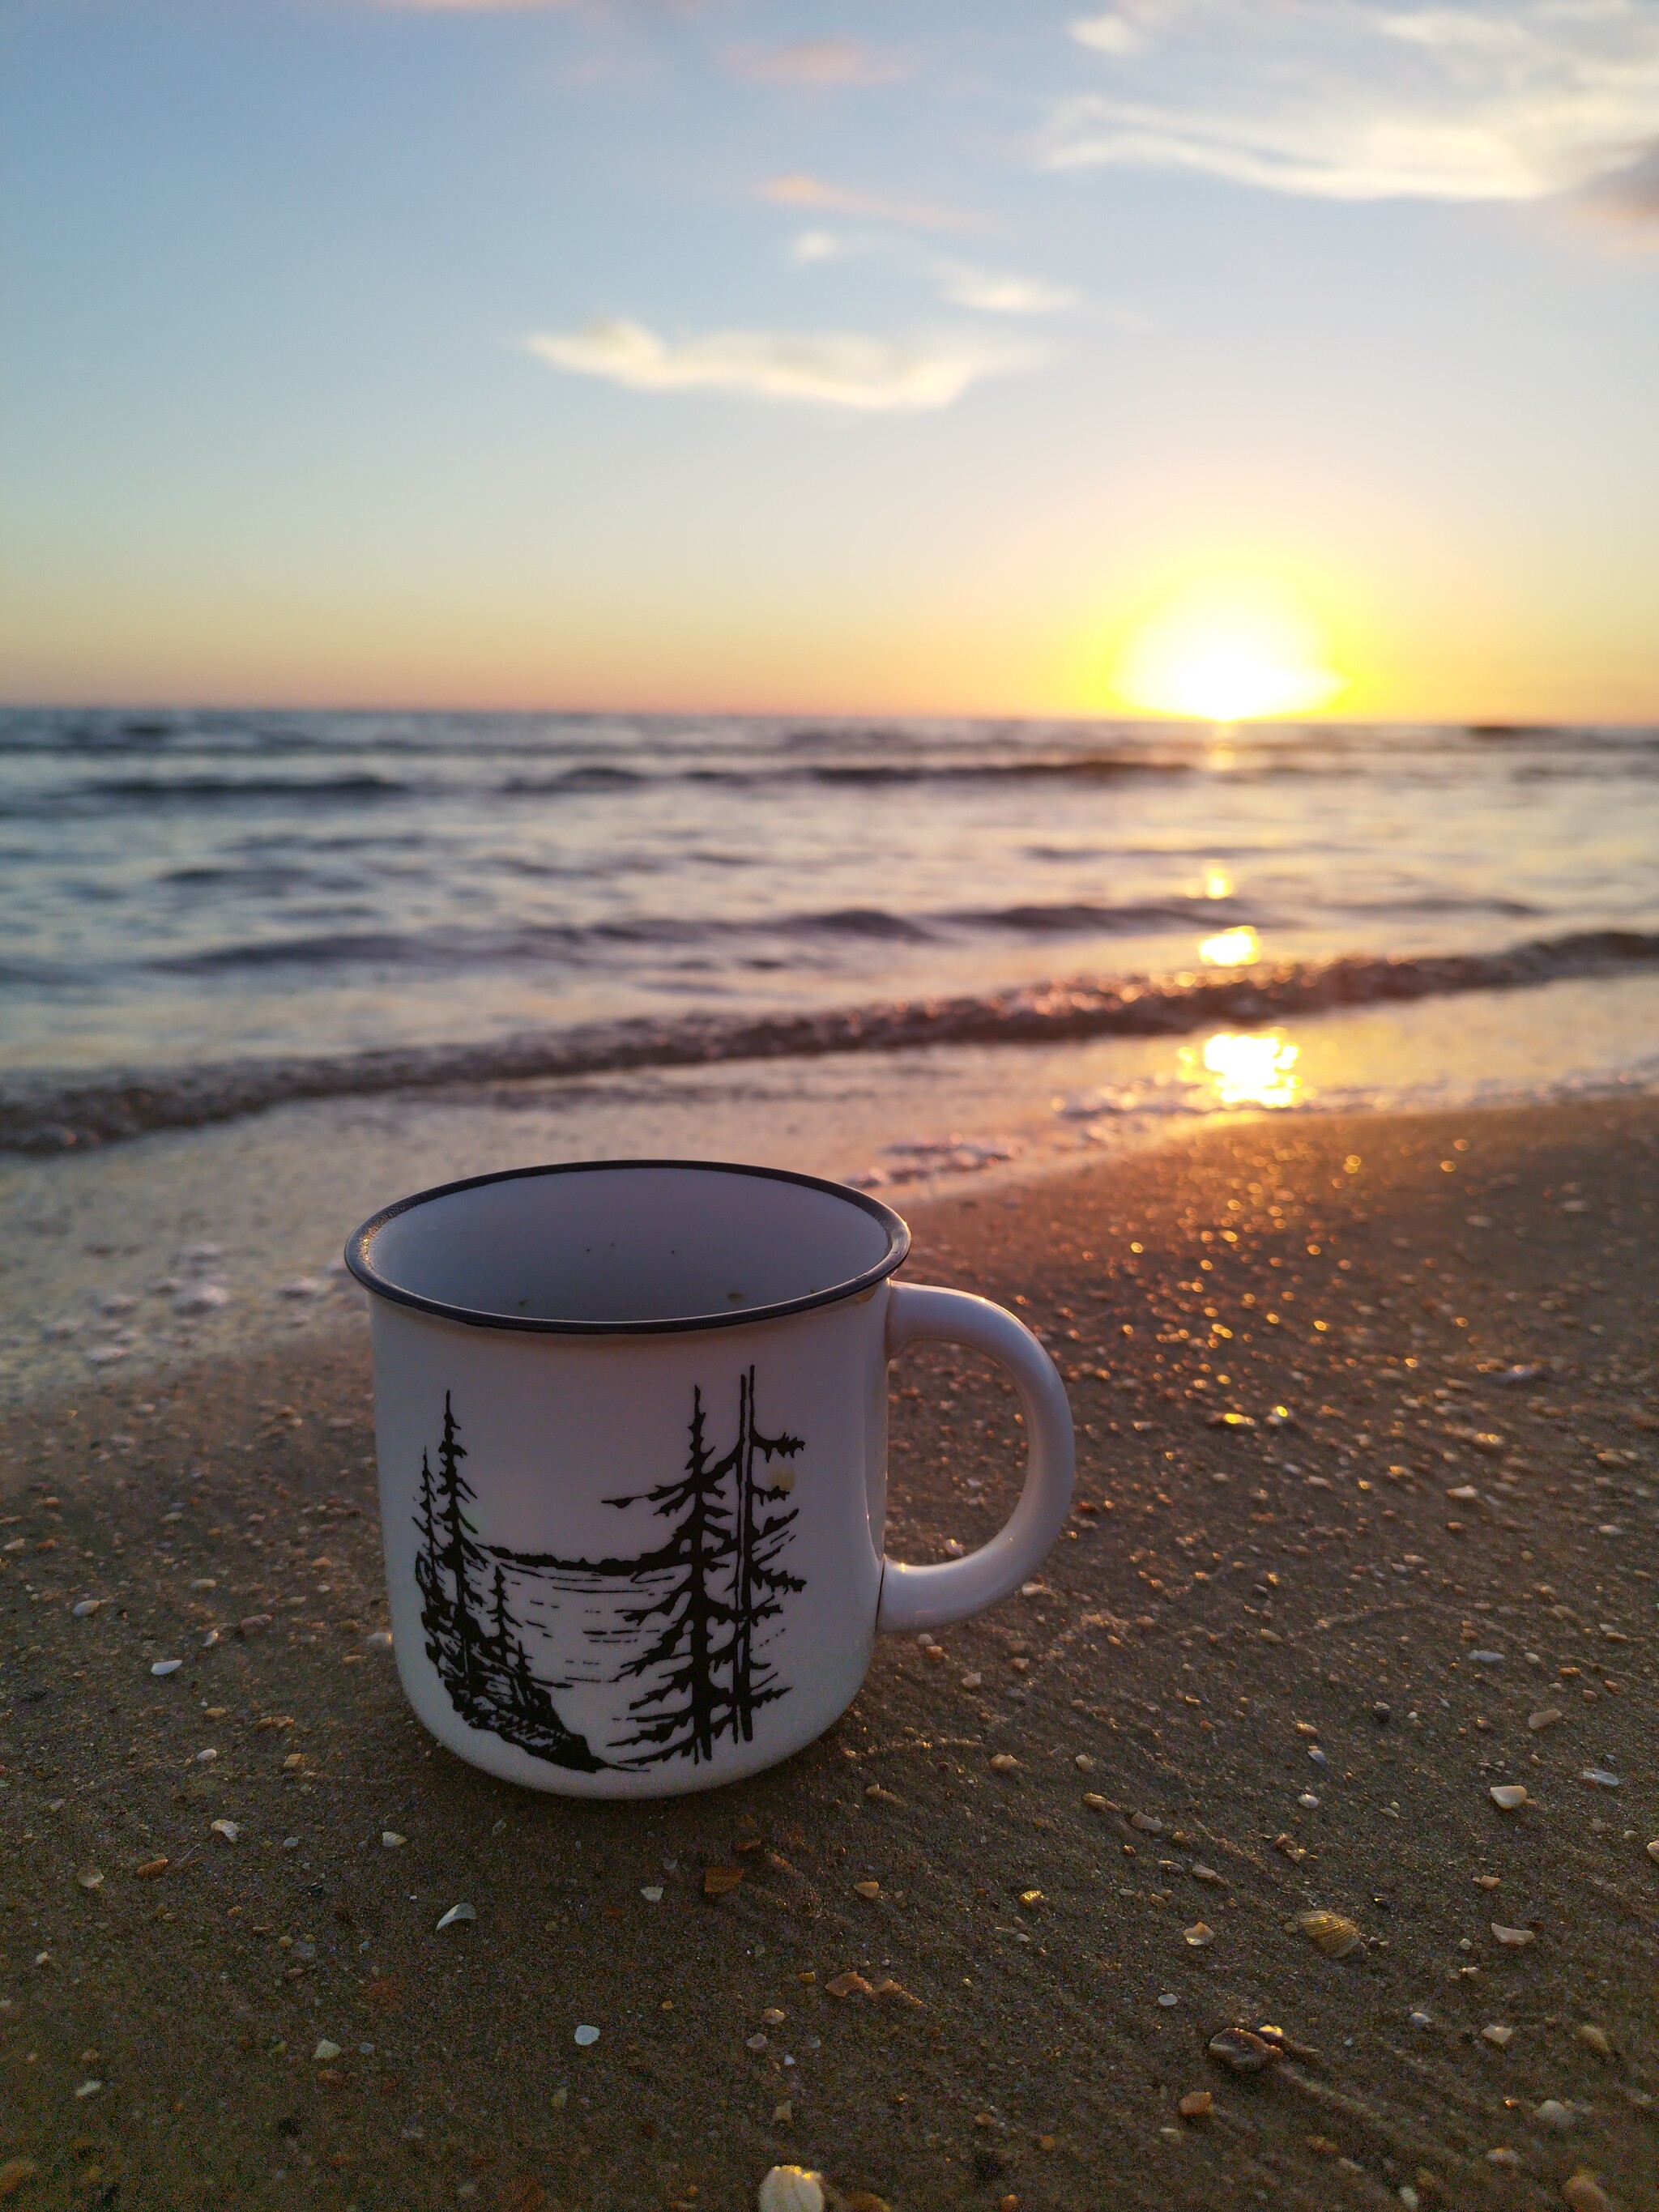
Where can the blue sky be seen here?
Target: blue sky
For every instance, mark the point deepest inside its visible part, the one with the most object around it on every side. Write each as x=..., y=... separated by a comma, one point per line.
x=842, y=357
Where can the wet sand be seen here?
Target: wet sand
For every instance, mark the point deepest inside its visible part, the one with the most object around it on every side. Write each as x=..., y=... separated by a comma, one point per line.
x=1245, y=1614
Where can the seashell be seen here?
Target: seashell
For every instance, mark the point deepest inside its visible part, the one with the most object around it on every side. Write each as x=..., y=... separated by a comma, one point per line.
x=1334, y=1934
x=456, y=1912
x=791, y=2189
x=1244, y=2052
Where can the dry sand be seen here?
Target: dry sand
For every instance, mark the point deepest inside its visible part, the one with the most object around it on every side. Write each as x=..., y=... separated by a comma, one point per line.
x=1242, y=1617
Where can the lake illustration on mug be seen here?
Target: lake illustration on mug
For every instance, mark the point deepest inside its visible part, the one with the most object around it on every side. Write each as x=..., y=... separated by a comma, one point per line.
x=683, y=1628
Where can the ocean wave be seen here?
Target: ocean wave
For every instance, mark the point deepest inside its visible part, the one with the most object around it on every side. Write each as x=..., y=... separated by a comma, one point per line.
x=41, y=1113
x=455, y=948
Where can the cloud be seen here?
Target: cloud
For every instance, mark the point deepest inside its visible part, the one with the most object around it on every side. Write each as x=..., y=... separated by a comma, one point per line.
x=829, y=368
x=998, y=292
x=1357, y=99
x=799, y=190
x=1626, y=203
x=987, y=291
x=819, y=64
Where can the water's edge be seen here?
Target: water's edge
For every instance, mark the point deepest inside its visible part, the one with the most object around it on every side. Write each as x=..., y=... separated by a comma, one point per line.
x=44, y=1114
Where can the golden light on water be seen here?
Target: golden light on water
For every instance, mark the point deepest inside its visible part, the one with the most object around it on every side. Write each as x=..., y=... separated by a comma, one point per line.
x=1248, y=1068
x=1230, y=948
x=1218, y=884
x=1229, y=648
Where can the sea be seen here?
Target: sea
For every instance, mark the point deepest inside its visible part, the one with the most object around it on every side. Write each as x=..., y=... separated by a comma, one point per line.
x=261, y=970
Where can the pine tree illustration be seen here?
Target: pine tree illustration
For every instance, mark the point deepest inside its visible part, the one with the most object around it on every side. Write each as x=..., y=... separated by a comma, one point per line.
x=689, y=1706
x=758, y=1584
x=478, y=1653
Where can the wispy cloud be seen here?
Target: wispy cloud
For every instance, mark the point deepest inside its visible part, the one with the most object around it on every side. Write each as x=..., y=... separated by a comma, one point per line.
x=1363, y=100
x=799, y=190
x=817, y=64
x=831, y=368
x=961, y=284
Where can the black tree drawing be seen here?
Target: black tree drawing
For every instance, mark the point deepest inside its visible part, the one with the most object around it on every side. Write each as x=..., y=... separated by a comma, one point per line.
x=701, y=1599
x=474, y=1643
x=723, y=1556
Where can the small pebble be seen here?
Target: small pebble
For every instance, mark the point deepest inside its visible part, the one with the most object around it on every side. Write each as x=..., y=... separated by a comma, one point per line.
x=791, y=2189
x=1308, y=1801
x=392, y=1839
x=1504, y=2157
x=1495, y=2033
x=1598, y=1777
x=206, y=1758
x=1513, y=1938
x=90, y=1878
x=379, y=1640
x=1545, y=1719
x=1196, y=2105
x=325, y=2052
x=652, y=1895
x=85, y=1607
x=460, y=1913
x=1084, y=1763
x=1584, y=2193
x=227, y=1829
x=1146, y=1823
x=1198, y=1934
x=1487, y=1658
x=1421, y=2019
x=202, y=1297
x=1596, y=2039
x=867, y=1889
x=972, y=1681
x=88, y=2088
x=167, y=1666
x=302, y=1286
x=1552, y=2113
x=1507, y=1795
x=1003, y=1762
x=1169, y=1998
x=585, y=2037
x=254, y=1624
x=1652, y=1848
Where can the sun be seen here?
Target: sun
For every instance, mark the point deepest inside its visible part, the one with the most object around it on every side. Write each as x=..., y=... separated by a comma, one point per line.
x=1228, y=648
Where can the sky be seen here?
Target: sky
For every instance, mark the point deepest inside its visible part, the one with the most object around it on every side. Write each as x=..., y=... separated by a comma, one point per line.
x=865, y=356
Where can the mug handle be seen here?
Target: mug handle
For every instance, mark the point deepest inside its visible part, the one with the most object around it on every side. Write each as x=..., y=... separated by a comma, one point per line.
x=933, y=1597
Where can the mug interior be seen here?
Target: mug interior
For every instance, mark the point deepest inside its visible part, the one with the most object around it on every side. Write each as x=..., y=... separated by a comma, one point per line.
x=628, y=1245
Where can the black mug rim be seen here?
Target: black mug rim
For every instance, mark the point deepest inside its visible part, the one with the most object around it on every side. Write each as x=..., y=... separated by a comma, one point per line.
x=359, y=1252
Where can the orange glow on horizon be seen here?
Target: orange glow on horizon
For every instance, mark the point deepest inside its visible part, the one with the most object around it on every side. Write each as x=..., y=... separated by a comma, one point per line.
x=1228, y=647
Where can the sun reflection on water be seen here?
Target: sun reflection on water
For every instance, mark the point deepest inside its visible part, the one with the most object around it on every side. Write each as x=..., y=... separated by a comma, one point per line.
x=1230, y=948
x=1254, y=1068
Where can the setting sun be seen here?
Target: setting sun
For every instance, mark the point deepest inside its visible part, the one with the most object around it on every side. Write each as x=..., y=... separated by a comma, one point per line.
x=1227, y=649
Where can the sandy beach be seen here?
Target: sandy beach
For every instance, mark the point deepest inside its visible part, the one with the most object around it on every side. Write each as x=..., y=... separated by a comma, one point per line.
x=1367, y=1414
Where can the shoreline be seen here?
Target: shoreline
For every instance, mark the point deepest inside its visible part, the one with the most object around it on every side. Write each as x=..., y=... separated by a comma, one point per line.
x=105, y=1232
x=1231, y=1598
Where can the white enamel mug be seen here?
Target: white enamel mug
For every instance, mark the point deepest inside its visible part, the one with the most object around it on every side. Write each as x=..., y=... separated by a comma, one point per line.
x=631, y=1422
